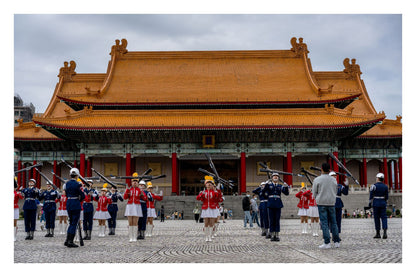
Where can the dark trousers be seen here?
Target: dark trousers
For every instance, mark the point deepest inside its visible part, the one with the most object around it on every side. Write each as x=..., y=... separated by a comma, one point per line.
x=196, y=217
x=30, y=220
x=142, y=220
x=338, y=216
x=88, y=220
x=162, y=217
x=264, y=217
x=50, y=218
x=73, y=216
x=274, y=219
x=380, y=214
x=113, y=220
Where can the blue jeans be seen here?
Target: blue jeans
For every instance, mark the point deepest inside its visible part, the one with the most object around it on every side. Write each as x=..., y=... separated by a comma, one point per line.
x=247, y=216
x=326, y=216
x=255, y=218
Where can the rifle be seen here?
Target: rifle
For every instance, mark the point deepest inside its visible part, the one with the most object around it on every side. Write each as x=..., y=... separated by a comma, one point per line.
x=79, y=175
x=271, y=171
x=140, y=177
x=307, y=173
x=343, y=167
x=46, y=178
x=104, y=178
x=59, y=177
x=28, y=168
x=215, y=175
x=318, y=169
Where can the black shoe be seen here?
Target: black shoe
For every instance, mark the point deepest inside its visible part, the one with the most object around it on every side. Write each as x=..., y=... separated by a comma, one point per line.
x=264, y=233
x=277, y=238
x=384, y=233
x=268, y=236
x=377, y=236
x=28, y=236
x=48, y=233
x=31, y=235
x=70, y=242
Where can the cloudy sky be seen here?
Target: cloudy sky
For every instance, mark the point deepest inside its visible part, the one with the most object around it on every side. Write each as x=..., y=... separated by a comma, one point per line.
x=42, y=42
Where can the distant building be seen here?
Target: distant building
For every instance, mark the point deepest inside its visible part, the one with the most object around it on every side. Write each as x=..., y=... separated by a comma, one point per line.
x=22, y=111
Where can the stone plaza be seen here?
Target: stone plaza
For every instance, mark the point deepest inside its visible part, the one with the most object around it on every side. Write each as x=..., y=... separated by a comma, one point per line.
x=182, y=241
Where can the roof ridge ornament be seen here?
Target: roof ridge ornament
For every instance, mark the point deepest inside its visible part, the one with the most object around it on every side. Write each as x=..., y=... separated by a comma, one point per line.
x=119, y=49
x=351, y=69
x=66, y=72
x=298, y=47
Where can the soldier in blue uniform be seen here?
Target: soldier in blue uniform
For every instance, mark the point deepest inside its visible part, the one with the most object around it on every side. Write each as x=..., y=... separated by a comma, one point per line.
x=341, y=189
x=112, y=209
x=88, y=208
x=379, y=194
x=49, y=208
x=273, y=190
x=30, y=207
x=73, y=206
x=143, y=220
x=264, y=213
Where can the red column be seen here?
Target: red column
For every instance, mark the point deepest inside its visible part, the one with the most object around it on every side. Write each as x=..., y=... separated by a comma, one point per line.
x=55, y=179
x=385, y=170
x=128, y=168
x=34, y=174
x=390, y=174
x=25, y=175
x=344, y=162
x=175, y=177
x=396, y=181
x=82, y=164
x=19, y=175
x=400, y=174
x=335, y=166
x=365, y=172
x=289, y=168
x=243, y=173
x=89, y=166
x=75, y=163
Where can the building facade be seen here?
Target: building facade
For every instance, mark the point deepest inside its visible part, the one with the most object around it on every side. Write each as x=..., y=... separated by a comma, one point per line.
x=165, y=110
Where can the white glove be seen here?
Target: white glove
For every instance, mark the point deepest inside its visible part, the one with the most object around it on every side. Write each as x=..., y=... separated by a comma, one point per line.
x=346, y=182
x=161, y=193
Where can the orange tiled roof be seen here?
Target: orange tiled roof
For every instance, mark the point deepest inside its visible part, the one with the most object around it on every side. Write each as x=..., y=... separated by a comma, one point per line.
x=387, y=129
x=89, y=119
x=260, y=76
x=29, y=131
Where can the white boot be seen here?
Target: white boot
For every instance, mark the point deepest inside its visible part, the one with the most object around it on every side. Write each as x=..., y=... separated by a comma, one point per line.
x=130, y=234
x=210, y=230
x=65, y=229
x=305, y=230
x=151, y=230
x=216, y=229
x=15, y=233
x=206, y=232
x=135, y=232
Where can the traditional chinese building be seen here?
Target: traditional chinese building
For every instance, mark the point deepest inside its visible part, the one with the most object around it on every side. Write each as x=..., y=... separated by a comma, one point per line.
x=164, y=110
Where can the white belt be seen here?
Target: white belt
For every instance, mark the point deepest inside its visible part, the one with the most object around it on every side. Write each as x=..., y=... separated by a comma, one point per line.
x=263, y=200
x=274, y=196
x=379, y=197
x=73, y=198
x=48, y=201
x=338, y=196
x=30, y=199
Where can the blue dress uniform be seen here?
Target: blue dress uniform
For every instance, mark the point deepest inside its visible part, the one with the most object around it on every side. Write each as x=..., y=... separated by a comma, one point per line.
x=29, y=210
x=88, y=209
x=49, y=209
x=143, y=220
x=273, y=193
x=113, y=209
x=339, y=204
x=264, y=213
x=379, y=194
x=73, y=206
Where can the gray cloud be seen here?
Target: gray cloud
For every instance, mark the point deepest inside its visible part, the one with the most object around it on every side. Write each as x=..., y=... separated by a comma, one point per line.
x=43, y=42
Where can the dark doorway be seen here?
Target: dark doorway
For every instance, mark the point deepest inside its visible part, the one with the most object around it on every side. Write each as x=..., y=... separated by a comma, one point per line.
x=191, y=180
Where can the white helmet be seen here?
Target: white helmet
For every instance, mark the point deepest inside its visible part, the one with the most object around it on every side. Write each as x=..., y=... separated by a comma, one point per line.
x=142, y=182
x=380, y=175
x=332, y=173
x=74, y=171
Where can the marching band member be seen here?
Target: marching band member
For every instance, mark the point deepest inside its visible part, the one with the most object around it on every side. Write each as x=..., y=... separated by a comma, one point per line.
x=29, y=208
x=303, y=205
x=88, y=208
x=273, y=190
x=62, y=213
x=151, y=211
x=102, y=213
x=264, y=213
x=379, y=194
x=217, y=219
x=209, y=198
x=143, y=204
x=313, y=213
x=113, y=209
x=341, y=189
x=133, y=208
x=50, y=196
x=73, y=205
x=17, y=195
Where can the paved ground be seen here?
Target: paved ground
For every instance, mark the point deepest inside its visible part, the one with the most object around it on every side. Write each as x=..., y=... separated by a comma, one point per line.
x=183, y=242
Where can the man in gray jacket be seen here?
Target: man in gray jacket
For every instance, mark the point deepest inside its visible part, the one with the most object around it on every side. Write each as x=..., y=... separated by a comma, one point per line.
x=324, y=190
